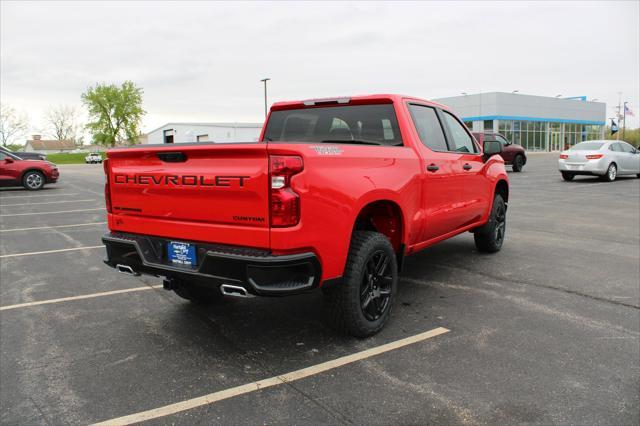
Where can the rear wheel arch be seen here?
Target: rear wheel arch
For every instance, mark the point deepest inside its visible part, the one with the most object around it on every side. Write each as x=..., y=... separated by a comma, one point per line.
x=385, y=217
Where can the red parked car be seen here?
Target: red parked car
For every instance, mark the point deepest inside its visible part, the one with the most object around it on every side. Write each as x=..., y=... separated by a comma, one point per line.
x=334, y=197
x=32, y=174
x=512, y=154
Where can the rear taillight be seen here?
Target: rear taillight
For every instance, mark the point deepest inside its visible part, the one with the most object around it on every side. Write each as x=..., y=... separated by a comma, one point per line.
x=594, y=156
x=284, y=201
x=107, y=187
x=564, y=156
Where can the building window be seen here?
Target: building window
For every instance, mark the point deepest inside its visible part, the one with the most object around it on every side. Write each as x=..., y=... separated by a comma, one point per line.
x=168, y=136
x=469, y=124
x=488, y=125
x=202, y=138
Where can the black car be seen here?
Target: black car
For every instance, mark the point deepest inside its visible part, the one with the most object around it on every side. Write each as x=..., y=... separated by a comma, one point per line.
x=25, y=155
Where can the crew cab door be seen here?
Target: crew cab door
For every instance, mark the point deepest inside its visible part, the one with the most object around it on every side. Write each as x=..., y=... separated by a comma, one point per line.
x=440, y=189
x=469, y=170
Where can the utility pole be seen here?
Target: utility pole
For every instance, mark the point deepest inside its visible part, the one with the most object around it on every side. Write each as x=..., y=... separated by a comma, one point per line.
x=264, y=80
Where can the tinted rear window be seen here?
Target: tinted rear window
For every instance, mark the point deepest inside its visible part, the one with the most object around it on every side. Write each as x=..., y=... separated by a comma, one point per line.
x=376, y=124
x=587, y=146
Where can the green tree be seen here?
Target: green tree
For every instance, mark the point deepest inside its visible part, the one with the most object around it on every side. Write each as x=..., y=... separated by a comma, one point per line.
x=630, y=135
x=114, y=112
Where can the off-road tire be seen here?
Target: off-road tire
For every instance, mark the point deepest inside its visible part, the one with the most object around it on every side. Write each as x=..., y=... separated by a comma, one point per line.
x=33, y=180
x=567, y=176
x=489, y=238
x=610, y=175
x=518, y=163
x=343, y=302
x=196, y=294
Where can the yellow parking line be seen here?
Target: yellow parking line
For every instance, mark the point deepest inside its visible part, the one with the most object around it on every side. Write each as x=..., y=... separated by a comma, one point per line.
x=272, y=381
x=43, y=213
x=33, y=253
x=47, y=202
x=84, y=296
x=53, y=227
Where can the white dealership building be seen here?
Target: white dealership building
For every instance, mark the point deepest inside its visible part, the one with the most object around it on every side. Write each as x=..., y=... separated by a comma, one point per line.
x=205, y=132
x=538, y=123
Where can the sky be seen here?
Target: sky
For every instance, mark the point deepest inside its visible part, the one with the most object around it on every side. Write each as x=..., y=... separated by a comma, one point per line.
x=203, y=61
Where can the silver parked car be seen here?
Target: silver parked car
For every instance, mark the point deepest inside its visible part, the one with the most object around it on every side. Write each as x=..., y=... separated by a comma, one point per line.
x=607, y=159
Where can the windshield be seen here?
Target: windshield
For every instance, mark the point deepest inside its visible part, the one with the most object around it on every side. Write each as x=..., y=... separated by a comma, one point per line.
x=366, y=124
x=587, y=146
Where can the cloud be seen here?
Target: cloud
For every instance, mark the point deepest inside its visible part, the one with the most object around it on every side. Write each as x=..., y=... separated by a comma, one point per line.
x=203, y=60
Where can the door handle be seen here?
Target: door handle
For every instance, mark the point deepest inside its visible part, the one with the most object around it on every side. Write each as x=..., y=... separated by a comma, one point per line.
x=467, y=167
x=432, y=168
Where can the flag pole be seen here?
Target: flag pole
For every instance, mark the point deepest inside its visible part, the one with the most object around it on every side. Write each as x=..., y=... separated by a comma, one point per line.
x=619, y=114
x=624, y=118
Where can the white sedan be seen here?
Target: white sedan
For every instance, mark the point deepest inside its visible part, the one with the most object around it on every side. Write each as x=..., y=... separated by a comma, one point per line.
x=605, y=158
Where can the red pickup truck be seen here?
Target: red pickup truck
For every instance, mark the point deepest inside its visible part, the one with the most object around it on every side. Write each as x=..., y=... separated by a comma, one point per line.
x=334, y=197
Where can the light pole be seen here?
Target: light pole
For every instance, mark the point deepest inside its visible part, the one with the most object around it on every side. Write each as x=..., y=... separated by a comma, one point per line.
x=264, y=80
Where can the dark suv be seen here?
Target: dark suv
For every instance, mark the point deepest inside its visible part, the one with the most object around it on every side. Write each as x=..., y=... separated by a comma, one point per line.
x=511, y=153
x=25, y=155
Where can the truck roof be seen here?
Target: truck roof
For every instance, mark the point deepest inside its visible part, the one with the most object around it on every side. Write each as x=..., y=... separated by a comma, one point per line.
x=358, y=99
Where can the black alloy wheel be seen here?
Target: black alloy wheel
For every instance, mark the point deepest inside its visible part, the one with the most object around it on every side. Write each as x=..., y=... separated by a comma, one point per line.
x=500, y=223
x=376, y=286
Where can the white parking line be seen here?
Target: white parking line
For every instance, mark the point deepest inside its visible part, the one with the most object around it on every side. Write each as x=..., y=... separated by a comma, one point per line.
x=84, y=296
x=272, y=381
x=40, y=195
x=48, y=202
x=52, y=227
x=42, y=213
x=33, y=253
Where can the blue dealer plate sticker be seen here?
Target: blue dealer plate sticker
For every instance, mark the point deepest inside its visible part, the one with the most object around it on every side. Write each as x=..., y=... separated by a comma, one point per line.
x=182, y=253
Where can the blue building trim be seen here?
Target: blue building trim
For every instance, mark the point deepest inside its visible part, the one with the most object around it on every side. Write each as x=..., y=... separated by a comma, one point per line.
x=520, y=118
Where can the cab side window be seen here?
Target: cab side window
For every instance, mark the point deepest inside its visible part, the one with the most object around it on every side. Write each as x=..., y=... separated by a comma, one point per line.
x=2, y=156
x=502, y=140
x=461, y=139
x=428, y=127
x=615, y=147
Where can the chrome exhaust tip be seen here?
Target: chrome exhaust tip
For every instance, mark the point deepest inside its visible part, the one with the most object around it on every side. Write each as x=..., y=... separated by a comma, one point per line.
x=126, y=269
x=234, y=290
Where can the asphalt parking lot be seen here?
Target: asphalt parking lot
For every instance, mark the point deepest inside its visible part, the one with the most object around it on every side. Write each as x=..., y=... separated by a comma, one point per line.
x=546, y=331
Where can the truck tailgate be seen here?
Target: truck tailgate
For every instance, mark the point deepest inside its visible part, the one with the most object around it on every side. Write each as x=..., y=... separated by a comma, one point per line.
x=206, y=192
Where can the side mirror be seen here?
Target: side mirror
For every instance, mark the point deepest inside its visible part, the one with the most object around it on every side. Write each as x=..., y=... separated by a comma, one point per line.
x=8, y=160
x=491, y=148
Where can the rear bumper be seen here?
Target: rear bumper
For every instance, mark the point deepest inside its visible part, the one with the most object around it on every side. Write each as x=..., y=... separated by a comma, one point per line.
x=591, y=167
x=258, y=271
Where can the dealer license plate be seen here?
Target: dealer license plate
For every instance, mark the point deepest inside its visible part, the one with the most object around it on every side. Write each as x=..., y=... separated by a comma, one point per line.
x=182, y=253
